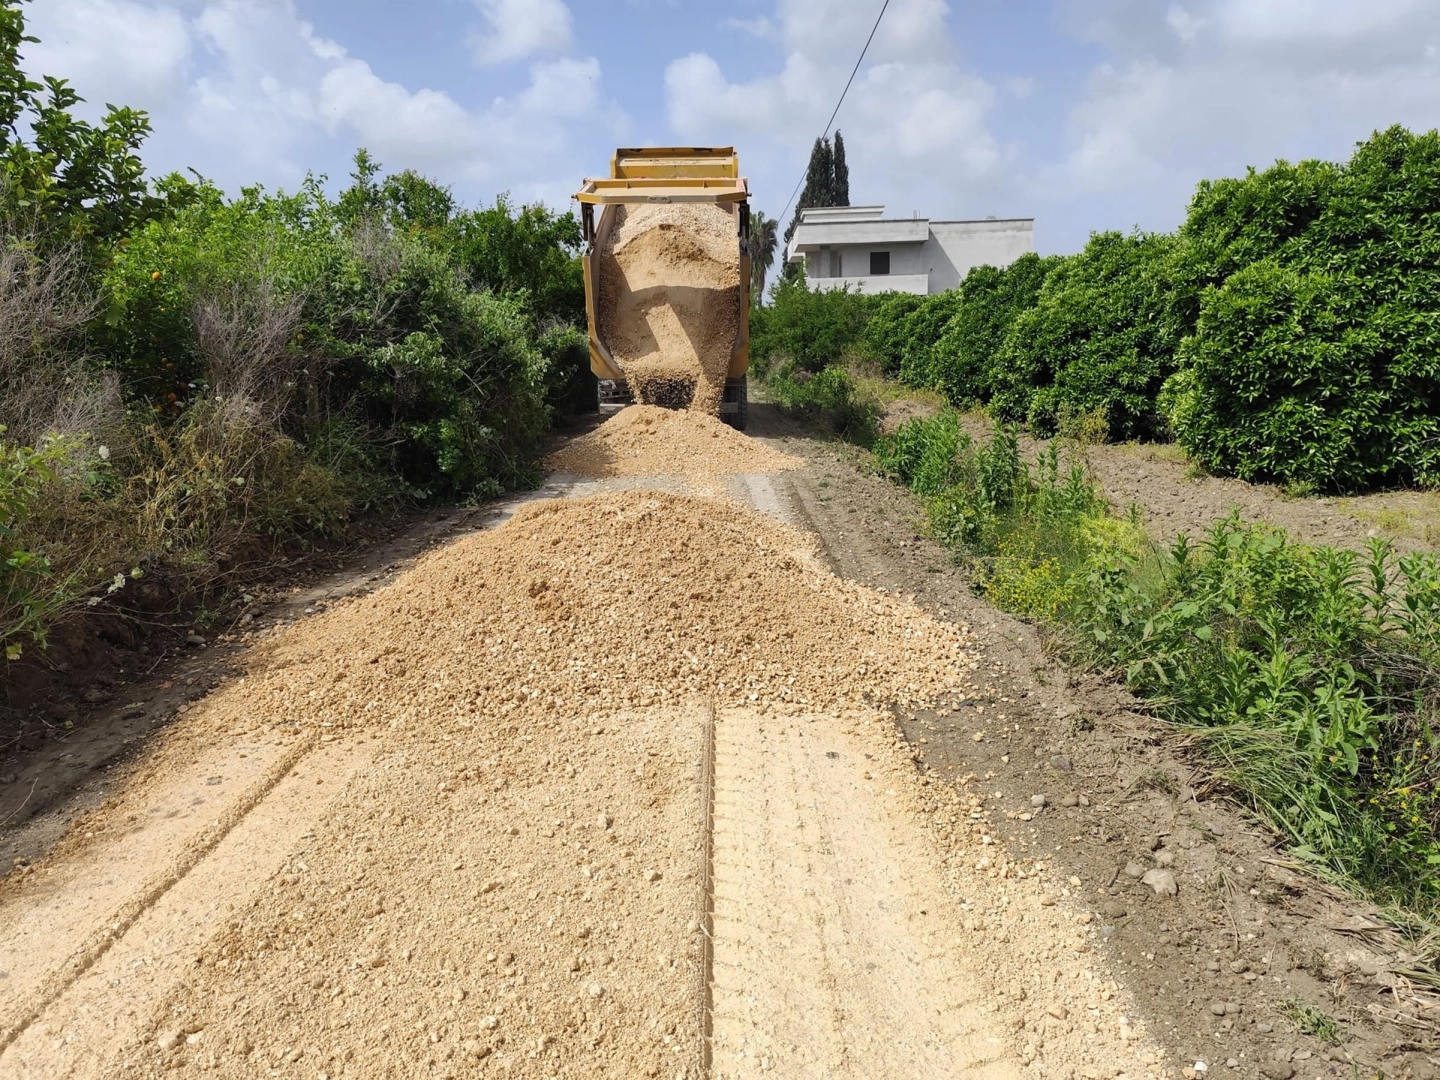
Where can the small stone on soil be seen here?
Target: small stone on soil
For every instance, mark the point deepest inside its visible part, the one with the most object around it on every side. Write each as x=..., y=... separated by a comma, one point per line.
x=1162, y=881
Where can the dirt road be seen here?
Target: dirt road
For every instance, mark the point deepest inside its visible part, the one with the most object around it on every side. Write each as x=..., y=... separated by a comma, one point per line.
x=637, y=783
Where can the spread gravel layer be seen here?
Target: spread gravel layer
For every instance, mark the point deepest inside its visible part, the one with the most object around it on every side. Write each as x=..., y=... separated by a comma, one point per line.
x=514, y=879
x=646, y=440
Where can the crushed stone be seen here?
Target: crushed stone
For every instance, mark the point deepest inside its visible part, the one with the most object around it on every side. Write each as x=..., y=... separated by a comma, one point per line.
x=529, y=829
x=647, y=440
x=670, y=304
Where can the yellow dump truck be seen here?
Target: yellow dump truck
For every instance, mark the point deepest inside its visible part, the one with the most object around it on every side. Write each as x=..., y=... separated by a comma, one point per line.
x=667, y=279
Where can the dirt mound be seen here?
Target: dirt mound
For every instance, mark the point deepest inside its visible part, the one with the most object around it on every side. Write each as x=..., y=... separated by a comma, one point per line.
x=514, y=877
x=647, y=440
x=670, y=301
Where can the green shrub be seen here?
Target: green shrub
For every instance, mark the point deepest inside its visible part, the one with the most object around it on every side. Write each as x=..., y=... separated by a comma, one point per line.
x=833, y=391
x=811, y=328
x=530, y=249
x=885, y=334
x=1101, y=336
x=271, y=297
x=1309, y=677
x=926, y=455
x=1315, y=365
x=963, y=360
x=921, y=329
x=30, y=595
x=975, y=497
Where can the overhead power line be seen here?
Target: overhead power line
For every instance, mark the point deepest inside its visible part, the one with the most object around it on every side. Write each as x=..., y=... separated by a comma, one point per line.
x=836, y=113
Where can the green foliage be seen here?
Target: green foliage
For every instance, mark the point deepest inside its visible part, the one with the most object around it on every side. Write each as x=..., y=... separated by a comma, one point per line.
x=1309, y=674
x=530, y=249
x=1311, y=1020
x=885, y=333
x=921, y=329
x=962, y=361
x=980, y=498
x=832, y=391
x=381, y=321
x=827, y=180
x=78, y=180
x=28, y=595
x=260, y=365
x=811, y=328
x=1311, y=677
x=1101, y=336
x=1313, y=363
x=763, y=241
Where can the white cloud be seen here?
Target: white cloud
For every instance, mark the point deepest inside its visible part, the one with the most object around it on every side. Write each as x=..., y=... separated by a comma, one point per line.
x=915, y=121
x=247, y=90
x=517, y=29
x=111, y=50
x=564, y=87
x=1220, y=84
x=760, y=27
x=1247, y=81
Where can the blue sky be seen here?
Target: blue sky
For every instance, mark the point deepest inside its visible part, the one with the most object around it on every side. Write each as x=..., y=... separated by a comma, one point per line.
x=1085, y=114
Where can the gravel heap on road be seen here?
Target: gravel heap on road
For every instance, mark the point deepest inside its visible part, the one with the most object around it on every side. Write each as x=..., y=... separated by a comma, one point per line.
x=670, y=300
x=514, y=879
x=646, y=440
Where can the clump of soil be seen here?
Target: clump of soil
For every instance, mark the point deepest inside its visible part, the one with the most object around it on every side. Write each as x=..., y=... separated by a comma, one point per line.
x=670, y=301
x=514, y=878
x=647, y=440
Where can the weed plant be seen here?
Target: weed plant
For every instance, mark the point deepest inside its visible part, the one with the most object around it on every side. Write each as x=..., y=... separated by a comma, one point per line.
x=834, y=391
x=1310, y=677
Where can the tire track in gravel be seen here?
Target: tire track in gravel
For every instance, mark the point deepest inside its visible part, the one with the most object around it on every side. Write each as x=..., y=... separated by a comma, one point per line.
x=142, y=948
x=830, y=958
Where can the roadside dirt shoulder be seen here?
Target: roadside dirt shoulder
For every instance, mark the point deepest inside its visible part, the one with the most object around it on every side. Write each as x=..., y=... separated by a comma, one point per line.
x=1248, y=960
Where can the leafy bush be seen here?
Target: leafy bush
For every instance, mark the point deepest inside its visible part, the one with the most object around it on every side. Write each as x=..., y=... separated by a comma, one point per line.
x=249, y=370
x=921, y=329
x=77, y=181
x=962, y=362
x=833, y=391
x=222, y=486
x=1310, y=677
x=886, y=332
x=530, y=249
x=1314, y=364
x=979, y=498
x=270, y=297
x=29, y=597
x=811, y=328
x=1101, y=336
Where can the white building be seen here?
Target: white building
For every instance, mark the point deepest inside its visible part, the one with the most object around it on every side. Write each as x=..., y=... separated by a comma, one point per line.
x=859, y=247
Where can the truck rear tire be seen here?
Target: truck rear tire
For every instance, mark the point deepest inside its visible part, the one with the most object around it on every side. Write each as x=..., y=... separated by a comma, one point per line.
x=735, y=403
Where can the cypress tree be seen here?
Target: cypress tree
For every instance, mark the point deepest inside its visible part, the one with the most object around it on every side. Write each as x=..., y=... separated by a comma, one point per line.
x=819, y=189
x=840, y=193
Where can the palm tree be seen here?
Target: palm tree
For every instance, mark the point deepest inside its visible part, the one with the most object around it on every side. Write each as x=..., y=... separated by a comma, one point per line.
x=762, y=253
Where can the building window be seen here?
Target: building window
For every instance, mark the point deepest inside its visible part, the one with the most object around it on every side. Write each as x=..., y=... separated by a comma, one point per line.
x=879, y=262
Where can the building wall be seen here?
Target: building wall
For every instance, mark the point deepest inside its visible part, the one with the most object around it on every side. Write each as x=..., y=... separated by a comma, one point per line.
x=904, y=258
x=957, y=247
x=952, y=249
